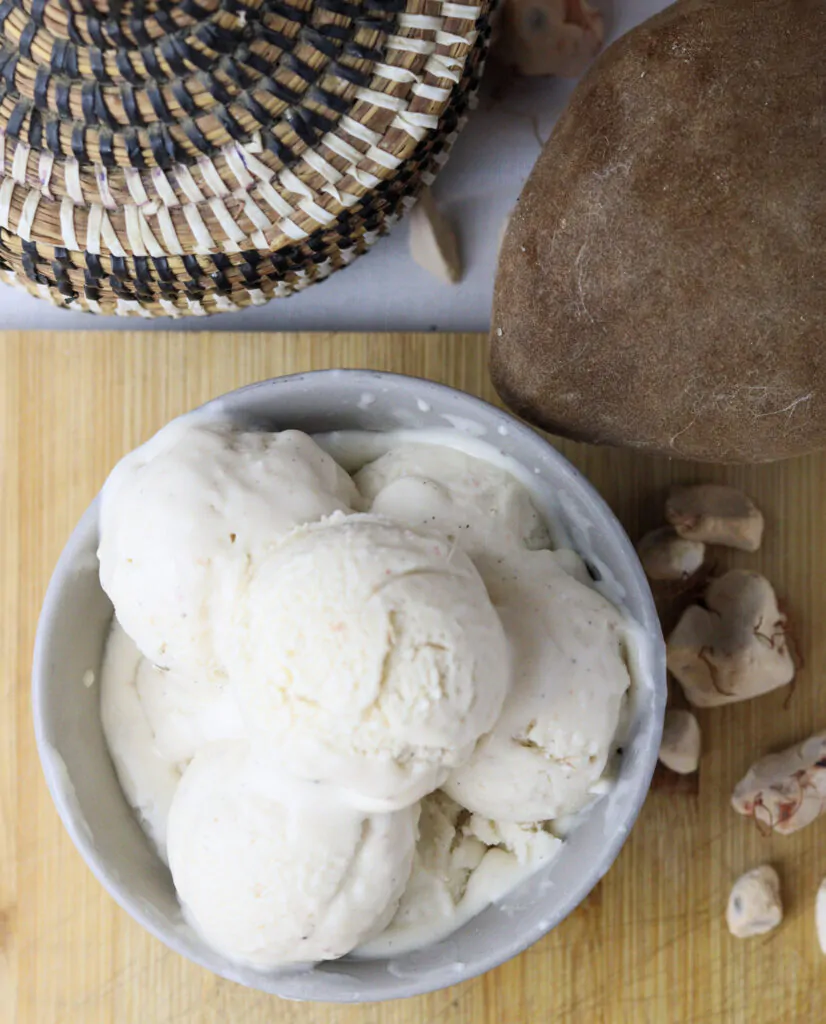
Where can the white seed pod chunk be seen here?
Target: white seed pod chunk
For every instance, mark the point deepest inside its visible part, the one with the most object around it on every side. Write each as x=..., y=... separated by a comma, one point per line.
x=681, y=742
x=784, y=792
x=820, y=915
x=734, y=648
x=754, y=905
x=715, y=514
x=667, y=556
x=548, y=37
x=433, y=243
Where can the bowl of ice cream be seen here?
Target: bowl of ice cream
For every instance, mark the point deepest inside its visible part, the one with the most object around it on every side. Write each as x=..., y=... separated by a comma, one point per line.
x=381, y=697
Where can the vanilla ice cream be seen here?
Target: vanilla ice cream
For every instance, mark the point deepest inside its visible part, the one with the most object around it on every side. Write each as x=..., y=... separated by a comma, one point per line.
x=185, y=713
x=476, y=503
x=197, y=498
x=154, y=721
x=326, y=664
x=370, y=653
x=270, y=872
x=462, y=863
x=553, y=740
x=147, y=778
x=547, y=752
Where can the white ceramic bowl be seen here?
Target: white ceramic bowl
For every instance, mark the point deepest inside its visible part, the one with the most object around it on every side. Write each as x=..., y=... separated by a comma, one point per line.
x=82, y=781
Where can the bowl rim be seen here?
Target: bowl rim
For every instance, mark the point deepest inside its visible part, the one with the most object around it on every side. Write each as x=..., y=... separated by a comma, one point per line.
x=512, y=944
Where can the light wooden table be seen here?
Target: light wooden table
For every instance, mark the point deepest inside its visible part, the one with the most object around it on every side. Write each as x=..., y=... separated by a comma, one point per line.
x=648, y=946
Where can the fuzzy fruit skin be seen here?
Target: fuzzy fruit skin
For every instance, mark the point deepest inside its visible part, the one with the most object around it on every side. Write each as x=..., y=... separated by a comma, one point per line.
x=624, y=312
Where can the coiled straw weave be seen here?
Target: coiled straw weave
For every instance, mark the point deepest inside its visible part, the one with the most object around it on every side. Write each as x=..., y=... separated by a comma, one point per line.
x=163, y=159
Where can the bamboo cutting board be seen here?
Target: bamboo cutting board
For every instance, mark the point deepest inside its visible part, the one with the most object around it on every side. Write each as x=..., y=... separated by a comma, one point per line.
x=649, y=946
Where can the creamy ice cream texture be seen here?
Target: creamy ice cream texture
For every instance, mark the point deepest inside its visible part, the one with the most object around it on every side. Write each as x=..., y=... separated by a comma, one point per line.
x=155, y=721
x=462, y=863
x=550, y=745
x=271, y=872
x=180, y=511
x=474, y=503
x=147, y=778
x=370, y=654
x=546, y=754
x=320, y=657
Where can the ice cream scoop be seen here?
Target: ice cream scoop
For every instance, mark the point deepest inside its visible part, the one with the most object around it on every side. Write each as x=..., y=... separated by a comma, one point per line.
x=551, y=744
x=154, y=722
x=272, y=872
x=462, y=863
x=147, y=778
x=198, y=497
x=553, y=740
x=472, y=501
x=369, y=654
x=184, y=713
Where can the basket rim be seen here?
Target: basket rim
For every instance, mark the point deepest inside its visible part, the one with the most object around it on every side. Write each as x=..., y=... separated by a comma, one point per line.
x=245, y=197
x=310, y=261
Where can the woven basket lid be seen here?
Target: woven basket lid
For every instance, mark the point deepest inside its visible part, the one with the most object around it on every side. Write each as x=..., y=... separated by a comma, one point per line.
x=145, y=135
x=220, y=282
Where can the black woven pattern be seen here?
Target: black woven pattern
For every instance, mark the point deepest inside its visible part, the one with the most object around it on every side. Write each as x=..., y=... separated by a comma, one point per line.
x=143, y=280
x=247, y=92
x=115, y=96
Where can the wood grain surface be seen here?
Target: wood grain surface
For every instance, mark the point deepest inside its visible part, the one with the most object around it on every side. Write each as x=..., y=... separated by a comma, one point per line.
x=649, y=946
